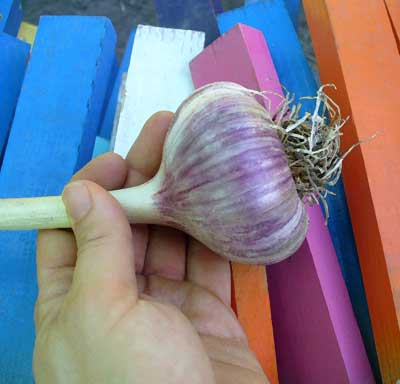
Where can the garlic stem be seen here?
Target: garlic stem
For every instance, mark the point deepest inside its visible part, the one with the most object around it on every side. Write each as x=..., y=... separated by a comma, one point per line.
x=50, y=212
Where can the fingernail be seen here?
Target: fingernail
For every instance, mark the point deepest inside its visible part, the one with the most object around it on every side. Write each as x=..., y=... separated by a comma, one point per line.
x=77, y=200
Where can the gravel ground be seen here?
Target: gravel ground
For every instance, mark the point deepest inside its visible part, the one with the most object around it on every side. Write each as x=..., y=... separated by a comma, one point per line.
x=124, y=13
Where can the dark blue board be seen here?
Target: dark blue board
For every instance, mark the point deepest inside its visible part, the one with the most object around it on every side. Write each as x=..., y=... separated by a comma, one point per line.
x=52, y=136
x=13, y=59
x=218, y=6
x=108, y=121
x=197, y=15
x=272, y=18
x=10, y=16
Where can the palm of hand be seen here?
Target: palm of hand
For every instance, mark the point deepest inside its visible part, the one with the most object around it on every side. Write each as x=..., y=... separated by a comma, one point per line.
x=168, y=329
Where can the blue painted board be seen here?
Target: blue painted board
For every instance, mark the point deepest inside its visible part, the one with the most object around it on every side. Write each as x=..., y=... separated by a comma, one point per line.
x=52, y=136
x=197, y=15
x=14, y=55
x=111, y=107
x=10, y=16
x=110, y=88
x=272, y=18
x=292, y=6
x=218, y=6
x=101, y=146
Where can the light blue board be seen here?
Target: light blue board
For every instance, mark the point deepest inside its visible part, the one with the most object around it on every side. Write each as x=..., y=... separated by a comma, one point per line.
x=10, y=16
x=13, y=59
x=101, y=146
x=52, y=136
x=197, y=15
x=108, y=121
x=271, y=17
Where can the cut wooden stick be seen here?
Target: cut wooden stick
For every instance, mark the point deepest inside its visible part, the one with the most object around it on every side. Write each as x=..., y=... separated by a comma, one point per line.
x=109, y=116
x=242, y=56
x=393, y=9
x=10, y=16
x=159, y=63
x=13, y=59
x=302, y=289
x=27, y=32
x=52, y=135
x=356, y=50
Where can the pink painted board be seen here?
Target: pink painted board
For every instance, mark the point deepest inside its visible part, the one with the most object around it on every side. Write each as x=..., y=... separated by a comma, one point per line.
x=245, y=60
x=316, y=335
x=250, y=69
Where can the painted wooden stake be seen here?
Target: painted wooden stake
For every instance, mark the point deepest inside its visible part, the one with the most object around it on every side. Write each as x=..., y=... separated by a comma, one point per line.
x=158, y=79
x=393, y=8
x=218, y=6
x=10, y=16
x=292, y=6
x=27, y=32
x=109, y=117
x=52, y=136
x=242, y=56
x=289, y=59
x=197, y=15
x=293, y=364
x=101, y=146
x=342, y=34
x=13, y=59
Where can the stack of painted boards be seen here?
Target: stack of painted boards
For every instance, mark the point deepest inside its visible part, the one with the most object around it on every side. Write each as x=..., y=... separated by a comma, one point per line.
x=330, y=313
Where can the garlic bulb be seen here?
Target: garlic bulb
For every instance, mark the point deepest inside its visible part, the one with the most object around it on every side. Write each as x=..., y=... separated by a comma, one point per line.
x=226, y=178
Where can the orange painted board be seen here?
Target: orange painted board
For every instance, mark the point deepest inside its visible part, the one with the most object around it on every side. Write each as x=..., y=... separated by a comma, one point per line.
x=356, y=50
x=251, y=289
x=393, y=8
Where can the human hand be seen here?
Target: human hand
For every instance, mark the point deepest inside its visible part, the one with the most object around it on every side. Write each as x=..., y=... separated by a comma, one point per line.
x=132, y=304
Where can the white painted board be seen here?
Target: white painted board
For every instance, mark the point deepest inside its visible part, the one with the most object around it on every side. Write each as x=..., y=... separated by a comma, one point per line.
x=158, y=79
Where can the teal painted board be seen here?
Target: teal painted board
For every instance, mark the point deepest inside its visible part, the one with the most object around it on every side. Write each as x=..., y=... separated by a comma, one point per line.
x=52, y=136
x=271, y=17
x=14, y=55
x=196, y=15
x=10, y=16
x=108, y=121
x=101, y=146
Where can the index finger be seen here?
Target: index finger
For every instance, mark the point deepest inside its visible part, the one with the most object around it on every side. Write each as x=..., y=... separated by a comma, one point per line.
x=144, y=158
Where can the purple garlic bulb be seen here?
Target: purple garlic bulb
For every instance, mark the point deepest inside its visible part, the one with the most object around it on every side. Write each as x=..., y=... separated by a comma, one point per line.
x=226, y=179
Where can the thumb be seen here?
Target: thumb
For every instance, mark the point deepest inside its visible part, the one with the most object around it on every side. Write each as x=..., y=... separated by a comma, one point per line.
x=103, y=236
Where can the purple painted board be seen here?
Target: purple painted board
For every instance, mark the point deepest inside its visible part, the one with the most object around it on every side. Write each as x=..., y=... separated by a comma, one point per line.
x=316, y=335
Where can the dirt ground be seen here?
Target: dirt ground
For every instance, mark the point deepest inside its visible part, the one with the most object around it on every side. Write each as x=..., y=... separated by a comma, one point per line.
x=123, y=13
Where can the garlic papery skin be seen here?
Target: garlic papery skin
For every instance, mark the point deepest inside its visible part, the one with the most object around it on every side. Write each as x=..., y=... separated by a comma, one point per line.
x=227, y=180
x=224, y=179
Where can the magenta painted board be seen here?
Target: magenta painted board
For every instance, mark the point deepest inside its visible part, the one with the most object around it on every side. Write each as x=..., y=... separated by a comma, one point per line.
x=317, y=339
